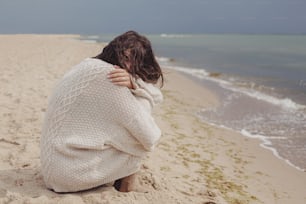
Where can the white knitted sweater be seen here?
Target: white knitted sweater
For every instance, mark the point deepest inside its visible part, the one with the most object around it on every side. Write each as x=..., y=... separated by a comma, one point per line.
x=94, y=131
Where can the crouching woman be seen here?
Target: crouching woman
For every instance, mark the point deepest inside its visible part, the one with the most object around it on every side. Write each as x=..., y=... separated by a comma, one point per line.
x=98, y=126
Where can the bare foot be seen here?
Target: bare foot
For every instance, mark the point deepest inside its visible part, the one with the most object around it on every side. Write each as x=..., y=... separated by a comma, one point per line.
x=126, y=183
x=131, y=183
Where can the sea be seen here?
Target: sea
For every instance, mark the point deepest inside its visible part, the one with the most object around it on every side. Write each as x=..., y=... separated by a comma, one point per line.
x=260, y=81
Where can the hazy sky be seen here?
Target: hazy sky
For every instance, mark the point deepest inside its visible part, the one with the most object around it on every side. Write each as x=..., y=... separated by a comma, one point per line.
x=152, y=16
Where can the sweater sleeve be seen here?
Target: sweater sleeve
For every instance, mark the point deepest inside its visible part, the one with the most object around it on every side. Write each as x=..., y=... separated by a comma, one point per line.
x=138, y=121
x=147, y=91
x=130, y=114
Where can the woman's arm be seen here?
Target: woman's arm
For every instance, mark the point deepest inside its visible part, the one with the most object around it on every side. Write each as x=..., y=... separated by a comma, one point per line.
x=147, y=94
x=135, y=118
x=129, y=113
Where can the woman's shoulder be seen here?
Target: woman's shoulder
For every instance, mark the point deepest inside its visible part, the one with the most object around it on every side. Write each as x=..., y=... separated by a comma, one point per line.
x=87, y=69
x=97, y=62
x=93, y=65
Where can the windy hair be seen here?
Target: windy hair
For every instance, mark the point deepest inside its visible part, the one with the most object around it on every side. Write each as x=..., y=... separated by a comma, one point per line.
x=137, y=51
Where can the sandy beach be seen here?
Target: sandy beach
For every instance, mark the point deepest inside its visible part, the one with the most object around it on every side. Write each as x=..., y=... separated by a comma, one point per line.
x=193, y=163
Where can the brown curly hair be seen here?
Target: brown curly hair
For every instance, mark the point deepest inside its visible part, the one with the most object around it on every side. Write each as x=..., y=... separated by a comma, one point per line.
x=137, y=51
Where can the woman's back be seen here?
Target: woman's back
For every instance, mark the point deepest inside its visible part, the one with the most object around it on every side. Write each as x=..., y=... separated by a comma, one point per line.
x=88, y=120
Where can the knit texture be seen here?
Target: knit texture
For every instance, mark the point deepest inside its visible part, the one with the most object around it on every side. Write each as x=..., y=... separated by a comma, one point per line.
x=94, y=131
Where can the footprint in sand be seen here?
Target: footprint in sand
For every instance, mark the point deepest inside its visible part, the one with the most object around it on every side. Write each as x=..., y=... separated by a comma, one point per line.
x=148, y=180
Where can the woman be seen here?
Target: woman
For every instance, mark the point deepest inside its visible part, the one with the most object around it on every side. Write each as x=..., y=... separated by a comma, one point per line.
x=96, y=132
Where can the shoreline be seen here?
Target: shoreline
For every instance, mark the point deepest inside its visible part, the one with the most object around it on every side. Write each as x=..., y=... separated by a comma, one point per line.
x=216, y=86
x=194, y=162
x=256, y=161
x=263, y=143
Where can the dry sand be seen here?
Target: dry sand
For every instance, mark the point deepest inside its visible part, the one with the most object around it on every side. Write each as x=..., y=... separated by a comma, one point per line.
x=193, y=163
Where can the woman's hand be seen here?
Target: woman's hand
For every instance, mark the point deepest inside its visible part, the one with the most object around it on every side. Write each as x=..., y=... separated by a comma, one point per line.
x=120, y=77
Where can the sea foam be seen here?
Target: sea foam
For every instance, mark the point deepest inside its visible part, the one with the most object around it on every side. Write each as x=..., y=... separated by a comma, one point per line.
x=164, y=35
x=266, y=143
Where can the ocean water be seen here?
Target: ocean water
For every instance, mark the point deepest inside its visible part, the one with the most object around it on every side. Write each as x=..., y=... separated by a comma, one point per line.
x=260, y=80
